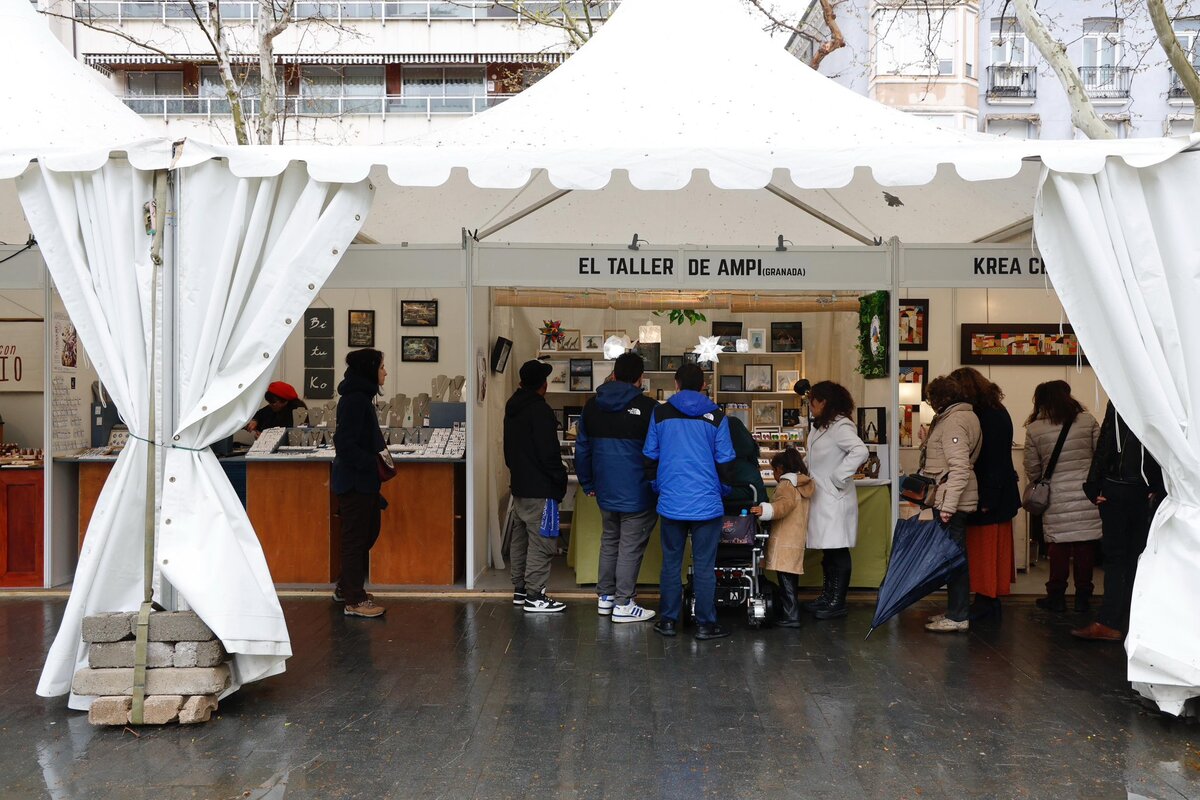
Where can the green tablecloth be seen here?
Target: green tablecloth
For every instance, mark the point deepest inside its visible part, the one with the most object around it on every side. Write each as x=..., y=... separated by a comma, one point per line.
x=870, y=556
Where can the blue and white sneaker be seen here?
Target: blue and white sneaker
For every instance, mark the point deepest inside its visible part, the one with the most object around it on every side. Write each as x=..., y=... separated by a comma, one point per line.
x=631, y=612
x=604, y=605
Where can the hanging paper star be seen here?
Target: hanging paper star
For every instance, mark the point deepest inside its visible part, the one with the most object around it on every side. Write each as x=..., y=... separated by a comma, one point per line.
x=709, y=349
x=614, y=346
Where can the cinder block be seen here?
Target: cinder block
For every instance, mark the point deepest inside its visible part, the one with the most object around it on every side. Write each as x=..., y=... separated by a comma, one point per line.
x=160, y=709
x=168, y=680
x=108, y=655
x=110, y=711
x=178, y=626
x=108, y=627
x=197, y=709
x=199, y=654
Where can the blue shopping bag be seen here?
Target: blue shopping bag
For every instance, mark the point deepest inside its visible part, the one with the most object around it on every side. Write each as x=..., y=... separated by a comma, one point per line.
x=549, y=527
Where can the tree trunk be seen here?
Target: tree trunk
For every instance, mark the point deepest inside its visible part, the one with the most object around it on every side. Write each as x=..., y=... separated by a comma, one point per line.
x=1176, y=55
x=835, y=40
x=268, y=88
x=225, y=67
x=1083, y=113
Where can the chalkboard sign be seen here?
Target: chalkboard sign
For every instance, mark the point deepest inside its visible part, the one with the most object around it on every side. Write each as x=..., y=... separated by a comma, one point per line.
x=319, y=384
x=319, y=367
x=319, y=322
x=318, y=353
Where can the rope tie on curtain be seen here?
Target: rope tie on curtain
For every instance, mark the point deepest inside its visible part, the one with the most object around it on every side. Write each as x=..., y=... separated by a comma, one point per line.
x=155, y=443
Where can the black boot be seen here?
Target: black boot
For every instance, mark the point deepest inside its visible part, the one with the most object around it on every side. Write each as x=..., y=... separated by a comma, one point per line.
x=1083, y=601
x=822, y=600
x=789, y=606
x=984, y=607
x=1052, y=602
x=838, y=586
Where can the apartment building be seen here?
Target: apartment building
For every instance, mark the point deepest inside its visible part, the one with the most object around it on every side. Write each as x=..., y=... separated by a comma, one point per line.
x=964, y=65
x=361, y=72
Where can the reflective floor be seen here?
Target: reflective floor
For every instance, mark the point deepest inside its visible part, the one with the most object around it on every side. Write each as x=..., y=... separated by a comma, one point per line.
x=453, y=699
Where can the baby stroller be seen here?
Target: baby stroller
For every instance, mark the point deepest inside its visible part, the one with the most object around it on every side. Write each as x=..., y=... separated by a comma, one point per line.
x=740, y=580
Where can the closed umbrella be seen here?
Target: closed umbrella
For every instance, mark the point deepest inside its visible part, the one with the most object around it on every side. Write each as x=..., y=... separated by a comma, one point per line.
x=923, y=557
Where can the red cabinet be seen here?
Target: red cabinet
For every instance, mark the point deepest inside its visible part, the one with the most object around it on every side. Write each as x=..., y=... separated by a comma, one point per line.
x=21, y=533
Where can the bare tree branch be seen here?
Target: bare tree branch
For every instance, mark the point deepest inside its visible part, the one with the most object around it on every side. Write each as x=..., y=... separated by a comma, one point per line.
x=835, y=41
x=122, y=35
x=1176, y=55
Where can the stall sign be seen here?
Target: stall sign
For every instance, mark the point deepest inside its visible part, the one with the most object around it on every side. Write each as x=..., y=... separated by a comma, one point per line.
x=975, y=266
x=21, y=356
x=378, y=266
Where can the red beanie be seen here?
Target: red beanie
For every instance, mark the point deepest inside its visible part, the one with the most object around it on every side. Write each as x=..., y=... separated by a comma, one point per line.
x=284, y=390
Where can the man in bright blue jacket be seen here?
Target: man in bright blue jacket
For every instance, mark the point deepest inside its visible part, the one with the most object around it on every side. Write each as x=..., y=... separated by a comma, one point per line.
x=608, y=460
x=688, y=458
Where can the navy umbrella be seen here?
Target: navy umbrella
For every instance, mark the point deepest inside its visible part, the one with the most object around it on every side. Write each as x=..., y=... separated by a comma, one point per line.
x=923, y=557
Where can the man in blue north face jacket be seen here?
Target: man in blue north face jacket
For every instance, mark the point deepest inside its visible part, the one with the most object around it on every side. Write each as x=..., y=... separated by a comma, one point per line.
x=608, y=461
x=689, y=457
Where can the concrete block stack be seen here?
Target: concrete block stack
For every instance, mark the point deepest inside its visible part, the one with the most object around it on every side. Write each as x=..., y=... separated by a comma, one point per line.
x=186, y=668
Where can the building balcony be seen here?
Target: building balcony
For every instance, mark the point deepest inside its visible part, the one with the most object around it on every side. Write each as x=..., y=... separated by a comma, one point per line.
x=194, y=106
x=120, y=11
x=1107, y=83
x=1177, y=91
x=1006, y=81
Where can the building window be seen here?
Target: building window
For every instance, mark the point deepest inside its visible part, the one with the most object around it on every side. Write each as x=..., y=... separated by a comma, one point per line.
x=914, y=42
x=1009, y=45
x=1188, y=33
x=342, y=90
x=444, y=89
x=154, y=84
x=1013, y=128
x=1101, y=42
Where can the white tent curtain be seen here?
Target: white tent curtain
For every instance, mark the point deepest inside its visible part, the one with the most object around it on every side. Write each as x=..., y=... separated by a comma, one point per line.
x=252, y=254
x=1121, y=249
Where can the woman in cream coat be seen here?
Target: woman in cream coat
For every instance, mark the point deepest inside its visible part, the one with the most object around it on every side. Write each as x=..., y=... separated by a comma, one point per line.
x=834, y=455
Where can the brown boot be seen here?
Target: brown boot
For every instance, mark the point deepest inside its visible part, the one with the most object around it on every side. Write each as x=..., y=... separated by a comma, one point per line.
x=1098, y=632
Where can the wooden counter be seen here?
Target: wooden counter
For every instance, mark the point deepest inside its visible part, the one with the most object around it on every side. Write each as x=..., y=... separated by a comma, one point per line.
x=92, y=475
x=22, y=542
x=423, y=536
x=292, y=510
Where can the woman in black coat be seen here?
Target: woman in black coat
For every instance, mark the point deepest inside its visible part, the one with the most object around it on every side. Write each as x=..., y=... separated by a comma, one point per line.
x=989, y=530
x=747, y=488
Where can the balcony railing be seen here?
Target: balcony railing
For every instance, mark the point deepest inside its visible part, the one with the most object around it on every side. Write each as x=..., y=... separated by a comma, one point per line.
x=1106, y=82
x=120, y=11
x=1178, y=91
x=193, y=106
x=1006, y=80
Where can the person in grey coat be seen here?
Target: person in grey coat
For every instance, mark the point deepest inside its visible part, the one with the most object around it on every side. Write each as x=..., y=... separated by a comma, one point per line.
x=1072, y=522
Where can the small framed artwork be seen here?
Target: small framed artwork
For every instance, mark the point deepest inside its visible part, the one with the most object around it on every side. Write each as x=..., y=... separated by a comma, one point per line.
x=665, y=395
x=570, y=341
x=731, y=383
x=694, y=358
x=758, y=339
x=571, y=415
x=740, y=412
x=1021, y=345
x=602, y=371
x=910, y=416
x=361, y=330
x=572, y=424
x=785, y=379
x=872, y=425
x=650, y=353
x=766, y=414
x=914, y=323
x=791, y=417
x=592, y=343
x=580, y=375
x=728, y=333
x=561, y=419
x=787, y=337
x=670, y=363
x=419, y=313
x=557, y=379
x=419, y=348
x=758, y=378
x=915, y=372
x=501, y=350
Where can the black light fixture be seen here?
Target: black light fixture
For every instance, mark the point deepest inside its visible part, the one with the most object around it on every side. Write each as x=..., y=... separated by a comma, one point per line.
x=781, y=247
x=634, y=245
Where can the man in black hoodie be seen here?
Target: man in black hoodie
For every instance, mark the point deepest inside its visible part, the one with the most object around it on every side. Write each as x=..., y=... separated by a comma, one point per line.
x=537, y=475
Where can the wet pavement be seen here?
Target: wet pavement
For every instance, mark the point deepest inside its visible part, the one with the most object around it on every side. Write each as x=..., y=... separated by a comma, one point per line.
x=472, y=699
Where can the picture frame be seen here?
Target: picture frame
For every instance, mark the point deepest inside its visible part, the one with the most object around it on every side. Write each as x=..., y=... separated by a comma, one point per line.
x=739, y=412
x=592, y=343
x=501, y=351
x=766, y=414
x=728, y=333
x=561, y=418
x=419, y=349
x=360, y=328
x=758, y=378
x=914, y=372
x=694, y=358
x=571, y=341
x=787, y=337
x=650, y=353
x=731, y=383
x=580, y=375
x=912, y=320
x=872, y=424
x=785, y=379
x=791, y=418
x=419, y=313
x=556, y=381
x=757, y=337
x=909, y=417
x=670, y=363
x=1020, y=345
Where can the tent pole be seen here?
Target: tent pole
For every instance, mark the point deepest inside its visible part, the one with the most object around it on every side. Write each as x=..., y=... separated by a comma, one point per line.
x=520, y=215
x=894, y=255
x=1007, y=232
x=828, y=220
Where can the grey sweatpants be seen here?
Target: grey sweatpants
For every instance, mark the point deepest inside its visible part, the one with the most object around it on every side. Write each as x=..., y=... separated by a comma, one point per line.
x=622, y=544
x=529, y=552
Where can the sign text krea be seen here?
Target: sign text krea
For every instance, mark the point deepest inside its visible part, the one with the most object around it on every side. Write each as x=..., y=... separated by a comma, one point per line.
x=1003, y=265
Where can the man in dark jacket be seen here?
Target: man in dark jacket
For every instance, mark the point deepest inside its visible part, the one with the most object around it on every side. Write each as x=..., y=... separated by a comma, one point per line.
x=1127, y=484
x=537, y=475
x=688, y=452
x=608, y=461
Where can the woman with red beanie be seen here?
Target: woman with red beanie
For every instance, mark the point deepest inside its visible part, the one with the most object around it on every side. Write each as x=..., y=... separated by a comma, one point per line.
x=277, y=413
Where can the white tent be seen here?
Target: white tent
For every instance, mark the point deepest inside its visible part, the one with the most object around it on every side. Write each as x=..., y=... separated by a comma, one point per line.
x=623, y=138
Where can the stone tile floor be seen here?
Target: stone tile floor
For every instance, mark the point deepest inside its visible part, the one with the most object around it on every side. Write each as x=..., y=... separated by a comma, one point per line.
x=471, y=699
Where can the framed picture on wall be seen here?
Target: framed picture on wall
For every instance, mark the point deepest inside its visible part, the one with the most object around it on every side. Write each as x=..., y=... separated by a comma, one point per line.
x=872, y=425
x=419, y=313
x=766, y=414
x=787, y=337
x=501, y=350
x=785, y=379
x=913, y=329
x=739, y=411
x=580, y=375
x=731, y=383
x=791, y=417
x=757, y=337
x=670, y=363
x=423, y=349
x=571, y=341
x=361, y=330
x=650, y=353
x=910, y=416
x=915, y=372
x=592, y=343
x=557, y=379
x=728, y=333
x=693, y=358
x=758, y=378
x=1021, y=344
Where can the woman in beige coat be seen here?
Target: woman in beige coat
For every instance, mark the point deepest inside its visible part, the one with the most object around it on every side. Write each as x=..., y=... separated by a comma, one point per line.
x=1072, y=522
x=788, y=514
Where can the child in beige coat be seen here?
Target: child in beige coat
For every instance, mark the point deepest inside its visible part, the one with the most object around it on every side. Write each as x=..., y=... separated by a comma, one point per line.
x=788, y=514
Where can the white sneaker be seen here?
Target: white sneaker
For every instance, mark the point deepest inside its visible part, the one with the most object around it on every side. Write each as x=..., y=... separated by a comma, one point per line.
x=947, y=625
x=936, y=618
x=631, y=612
x=604, y=605
x=540, y=603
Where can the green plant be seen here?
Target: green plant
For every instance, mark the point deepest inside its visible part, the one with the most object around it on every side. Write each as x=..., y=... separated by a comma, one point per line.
x=874, y=335
x=678, y=316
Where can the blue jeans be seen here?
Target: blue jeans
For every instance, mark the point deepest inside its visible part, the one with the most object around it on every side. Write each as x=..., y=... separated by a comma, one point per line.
x=706, y=534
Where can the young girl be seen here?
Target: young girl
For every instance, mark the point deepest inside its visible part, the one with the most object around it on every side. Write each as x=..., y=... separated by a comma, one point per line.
x=788, y=511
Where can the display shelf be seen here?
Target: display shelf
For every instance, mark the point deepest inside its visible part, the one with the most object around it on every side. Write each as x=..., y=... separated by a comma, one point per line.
x=760, y=394
x=796, y=354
